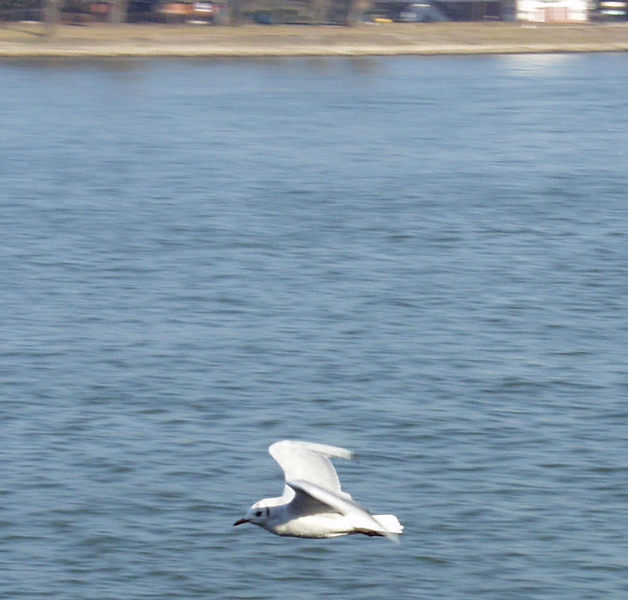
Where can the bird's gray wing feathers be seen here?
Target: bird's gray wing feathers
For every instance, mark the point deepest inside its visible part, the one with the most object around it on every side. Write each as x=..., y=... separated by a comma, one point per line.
x=309, y=494
x=307, y=461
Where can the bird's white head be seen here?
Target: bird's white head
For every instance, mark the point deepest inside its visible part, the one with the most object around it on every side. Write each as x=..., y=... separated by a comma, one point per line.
x=258, y=514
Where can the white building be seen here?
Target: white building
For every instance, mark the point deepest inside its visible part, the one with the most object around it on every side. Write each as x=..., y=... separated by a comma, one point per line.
x=553, y=11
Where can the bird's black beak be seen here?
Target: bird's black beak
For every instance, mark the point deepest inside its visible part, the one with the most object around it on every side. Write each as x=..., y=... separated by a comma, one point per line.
x=240, y=521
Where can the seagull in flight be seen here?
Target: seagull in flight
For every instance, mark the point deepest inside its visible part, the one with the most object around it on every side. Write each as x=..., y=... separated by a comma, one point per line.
x=313, y=505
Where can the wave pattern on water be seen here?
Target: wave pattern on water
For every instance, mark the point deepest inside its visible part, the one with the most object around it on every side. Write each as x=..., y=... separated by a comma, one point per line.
x=423, y=260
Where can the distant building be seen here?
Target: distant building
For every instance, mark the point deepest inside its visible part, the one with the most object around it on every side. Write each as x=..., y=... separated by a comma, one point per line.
x=534, y=11
x=553, y=11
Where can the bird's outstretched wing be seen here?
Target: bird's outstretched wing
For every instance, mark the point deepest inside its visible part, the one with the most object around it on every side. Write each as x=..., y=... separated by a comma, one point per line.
x=312, y=495
x=309, y=462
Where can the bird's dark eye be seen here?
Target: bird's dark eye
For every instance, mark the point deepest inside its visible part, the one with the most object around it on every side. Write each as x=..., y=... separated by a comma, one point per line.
x=258, y=513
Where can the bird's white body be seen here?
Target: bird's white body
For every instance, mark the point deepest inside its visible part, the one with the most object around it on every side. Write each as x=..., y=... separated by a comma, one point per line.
x=313, y=504
x=312, y=526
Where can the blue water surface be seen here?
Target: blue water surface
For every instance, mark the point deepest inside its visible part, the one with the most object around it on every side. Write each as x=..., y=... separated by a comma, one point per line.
x=422, y=259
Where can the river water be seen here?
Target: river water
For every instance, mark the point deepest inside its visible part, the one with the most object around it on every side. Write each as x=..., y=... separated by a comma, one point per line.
x=422, y=259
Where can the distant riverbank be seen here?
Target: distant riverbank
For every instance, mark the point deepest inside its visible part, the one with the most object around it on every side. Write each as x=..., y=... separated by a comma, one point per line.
x=29, y=40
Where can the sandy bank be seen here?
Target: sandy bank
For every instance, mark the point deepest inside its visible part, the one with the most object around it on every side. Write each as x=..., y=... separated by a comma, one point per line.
x=27, y=40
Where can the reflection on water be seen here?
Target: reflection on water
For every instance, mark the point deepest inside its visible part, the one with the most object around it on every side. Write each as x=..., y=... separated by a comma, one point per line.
x=536, y=65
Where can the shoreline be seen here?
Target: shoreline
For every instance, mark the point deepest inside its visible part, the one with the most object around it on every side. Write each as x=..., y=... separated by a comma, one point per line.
x=27, y=40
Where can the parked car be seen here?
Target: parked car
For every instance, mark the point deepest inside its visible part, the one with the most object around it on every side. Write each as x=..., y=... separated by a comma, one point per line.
x=422, y=12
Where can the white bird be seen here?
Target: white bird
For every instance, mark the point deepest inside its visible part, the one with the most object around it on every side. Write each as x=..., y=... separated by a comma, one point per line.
x=313, y=505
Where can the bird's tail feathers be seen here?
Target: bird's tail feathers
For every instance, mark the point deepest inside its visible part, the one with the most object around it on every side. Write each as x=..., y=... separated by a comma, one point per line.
x=389, y=523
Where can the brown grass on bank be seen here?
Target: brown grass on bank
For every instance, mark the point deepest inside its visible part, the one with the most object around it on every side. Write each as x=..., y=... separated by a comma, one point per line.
x=28, y=39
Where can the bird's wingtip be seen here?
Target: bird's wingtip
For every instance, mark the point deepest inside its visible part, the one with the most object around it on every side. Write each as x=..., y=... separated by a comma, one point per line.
x=325, y=449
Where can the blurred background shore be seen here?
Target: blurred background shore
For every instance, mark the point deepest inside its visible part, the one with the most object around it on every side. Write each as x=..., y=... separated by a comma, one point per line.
x=23, y=39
